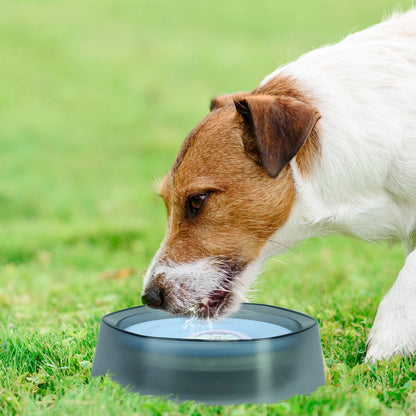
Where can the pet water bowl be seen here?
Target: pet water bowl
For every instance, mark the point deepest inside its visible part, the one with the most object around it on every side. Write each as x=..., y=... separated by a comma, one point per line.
x=259, y=354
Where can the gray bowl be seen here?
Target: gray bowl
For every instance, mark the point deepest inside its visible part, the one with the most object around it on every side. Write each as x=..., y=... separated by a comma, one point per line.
x=266, y=354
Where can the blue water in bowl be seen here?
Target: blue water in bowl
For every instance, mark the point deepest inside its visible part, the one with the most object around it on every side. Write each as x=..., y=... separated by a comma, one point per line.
x=192, y=328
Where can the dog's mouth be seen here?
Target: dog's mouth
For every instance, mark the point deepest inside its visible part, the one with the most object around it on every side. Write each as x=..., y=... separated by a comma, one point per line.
x=212, y=305
x=218, y=301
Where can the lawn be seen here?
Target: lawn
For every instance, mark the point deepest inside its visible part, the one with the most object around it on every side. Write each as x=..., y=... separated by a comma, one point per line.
x=95, y=100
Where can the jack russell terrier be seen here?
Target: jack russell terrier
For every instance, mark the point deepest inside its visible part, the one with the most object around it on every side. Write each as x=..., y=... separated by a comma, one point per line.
x=325, y=144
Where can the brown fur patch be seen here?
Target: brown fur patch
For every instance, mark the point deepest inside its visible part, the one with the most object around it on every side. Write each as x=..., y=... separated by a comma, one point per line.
x=289, y=87
x=278, y=86
x=276, y=128
x=245, y=206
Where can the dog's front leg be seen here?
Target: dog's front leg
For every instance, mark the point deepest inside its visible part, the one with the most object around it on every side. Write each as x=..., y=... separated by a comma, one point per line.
x=394, y=329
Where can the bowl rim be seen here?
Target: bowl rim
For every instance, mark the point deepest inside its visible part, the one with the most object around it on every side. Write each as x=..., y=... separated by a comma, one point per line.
x=303, y=327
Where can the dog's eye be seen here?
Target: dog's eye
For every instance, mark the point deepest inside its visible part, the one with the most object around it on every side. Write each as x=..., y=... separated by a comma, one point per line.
x=194, y=204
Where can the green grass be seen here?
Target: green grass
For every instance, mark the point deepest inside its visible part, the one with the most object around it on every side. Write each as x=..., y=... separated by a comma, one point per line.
x=95, y=99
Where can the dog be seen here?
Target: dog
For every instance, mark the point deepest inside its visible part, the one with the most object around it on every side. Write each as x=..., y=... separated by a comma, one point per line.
x=325, y=144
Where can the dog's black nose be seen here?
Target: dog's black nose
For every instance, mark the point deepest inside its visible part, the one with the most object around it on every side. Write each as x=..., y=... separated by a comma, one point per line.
x=153, y=298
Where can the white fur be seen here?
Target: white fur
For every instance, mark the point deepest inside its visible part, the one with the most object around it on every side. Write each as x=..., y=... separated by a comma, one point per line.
x=364, y=183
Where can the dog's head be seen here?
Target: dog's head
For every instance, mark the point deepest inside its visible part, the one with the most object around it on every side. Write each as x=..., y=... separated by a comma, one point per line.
x=228, y=191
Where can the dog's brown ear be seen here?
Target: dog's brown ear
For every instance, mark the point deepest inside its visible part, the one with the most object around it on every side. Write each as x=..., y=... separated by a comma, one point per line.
x=223, y=100
x=275, y=128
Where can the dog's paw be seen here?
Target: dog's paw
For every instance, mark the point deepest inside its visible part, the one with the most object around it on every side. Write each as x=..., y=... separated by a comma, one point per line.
x=393, y=333
x=394, y=329
x=384, y=348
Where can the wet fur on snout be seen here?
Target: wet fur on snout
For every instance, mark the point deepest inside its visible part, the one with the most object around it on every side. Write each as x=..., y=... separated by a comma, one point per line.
x=205, y=287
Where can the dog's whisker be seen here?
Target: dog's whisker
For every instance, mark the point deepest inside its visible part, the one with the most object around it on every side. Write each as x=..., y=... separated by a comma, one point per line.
x=276, y=260
x=286, y=246
x=241, y=296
